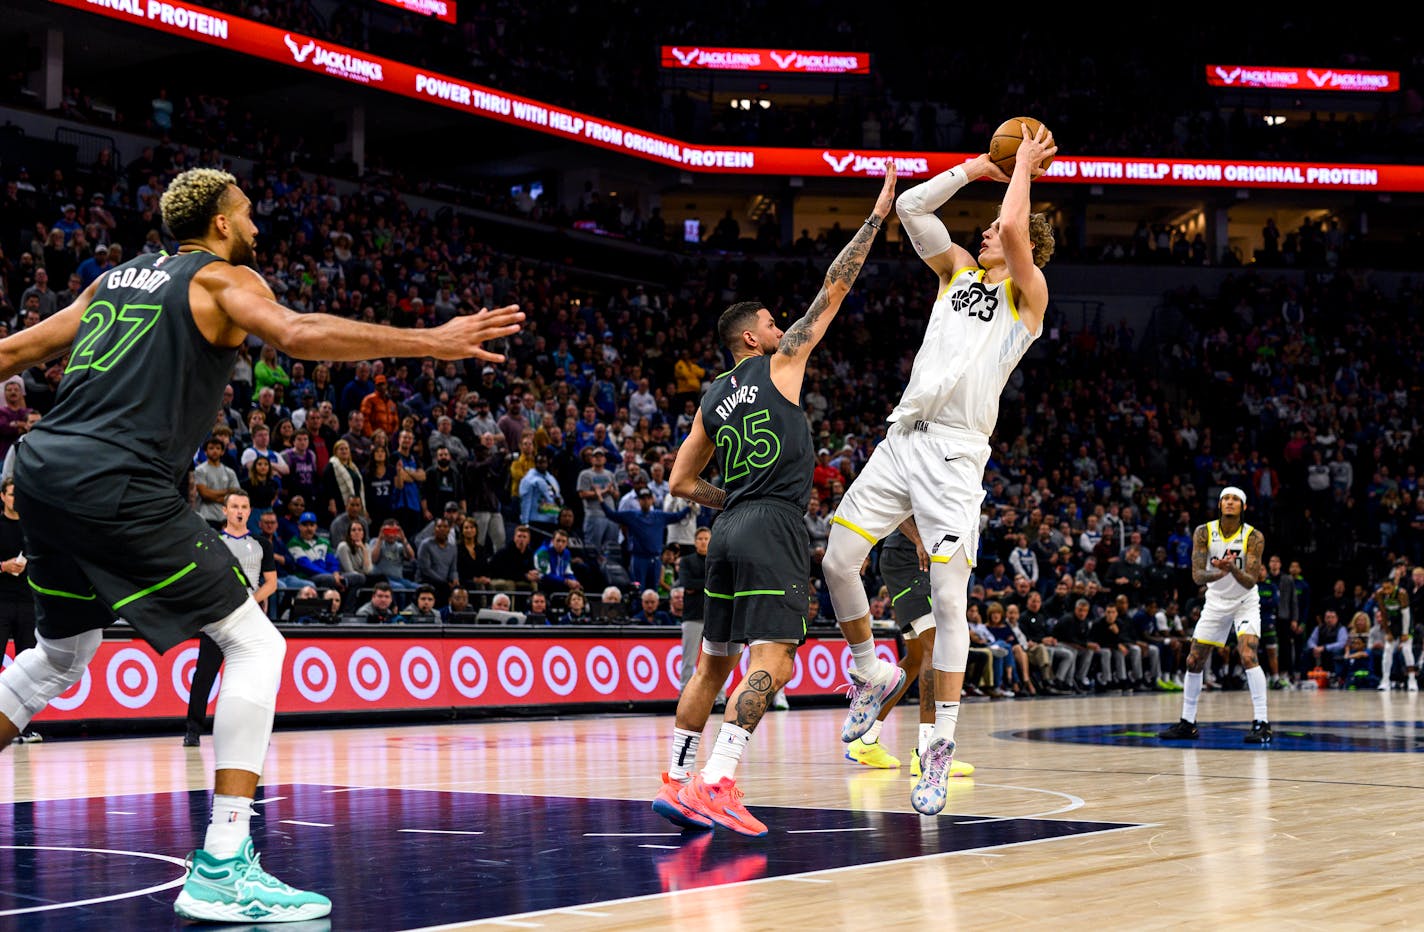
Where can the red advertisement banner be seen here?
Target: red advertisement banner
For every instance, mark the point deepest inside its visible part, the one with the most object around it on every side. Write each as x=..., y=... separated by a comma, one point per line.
x=781, y=61
x=298, y=51
x=440, y=9
x=1301, y=79
x=128, y=680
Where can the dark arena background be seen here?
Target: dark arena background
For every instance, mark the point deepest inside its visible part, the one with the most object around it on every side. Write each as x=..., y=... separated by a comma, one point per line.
x=1235, y=301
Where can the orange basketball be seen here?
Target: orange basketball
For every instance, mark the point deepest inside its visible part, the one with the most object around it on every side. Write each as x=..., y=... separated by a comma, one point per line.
x=1004, y=145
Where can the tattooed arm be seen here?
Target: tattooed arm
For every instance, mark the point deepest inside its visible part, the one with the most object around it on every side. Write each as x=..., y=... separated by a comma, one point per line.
x=1201, y=552
x=692, y=457
x=1251, y=573
x=789, y=363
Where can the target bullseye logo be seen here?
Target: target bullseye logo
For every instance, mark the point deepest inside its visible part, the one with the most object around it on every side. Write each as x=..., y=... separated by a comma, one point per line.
x=516, y=671
x=602, y=669
x=673, y=665
x=132, y=678
x=369, y=674
x=847, y=662
x=468, y=672
x=642, y=669
x=420, y=673
x=797, y=671
x=185, y=666
x=560, y=671
x=75, y=696
x=887, y=653
x=314, y=674
x=822, y=666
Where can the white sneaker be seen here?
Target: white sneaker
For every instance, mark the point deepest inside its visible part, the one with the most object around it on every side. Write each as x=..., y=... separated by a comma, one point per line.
x=1413, y=685
x=1383, y=687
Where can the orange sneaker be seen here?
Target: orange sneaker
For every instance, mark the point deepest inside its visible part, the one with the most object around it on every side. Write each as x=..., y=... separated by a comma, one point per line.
x=722, y=803
x=667, y=805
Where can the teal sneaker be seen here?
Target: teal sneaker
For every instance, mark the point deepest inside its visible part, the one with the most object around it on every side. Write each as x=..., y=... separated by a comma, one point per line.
x=237, y=889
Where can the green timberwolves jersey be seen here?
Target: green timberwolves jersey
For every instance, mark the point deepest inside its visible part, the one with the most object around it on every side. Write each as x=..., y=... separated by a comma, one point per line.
x=763, y=441
x=140, y=391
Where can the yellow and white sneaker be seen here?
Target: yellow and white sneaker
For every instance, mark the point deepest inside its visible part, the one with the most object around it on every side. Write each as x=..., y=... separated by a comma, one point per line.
x=871, y=755
x=957, y=768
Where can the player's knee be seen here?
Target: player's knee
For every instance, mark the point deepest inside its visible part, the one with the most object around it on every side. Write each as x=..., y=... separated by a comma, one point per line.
x=845, y=552
x=1196, y=662
x=68, y=657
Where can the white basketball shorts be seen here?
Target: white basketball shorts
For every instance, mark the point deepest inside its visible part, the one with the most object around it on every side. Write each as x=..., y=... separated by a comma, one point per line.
x=1219, y=619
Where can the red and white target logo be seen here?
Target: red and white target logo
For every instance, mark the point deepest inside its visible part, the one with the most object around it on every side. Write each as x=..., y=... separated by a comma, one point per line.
x=74, y=696
x=822, y=666
x=185, y=665
x=847, y=661
x=516, y=671
x=887, y=653
x=314, y=674
x=368, y=673
x=673, y=664
x=420, y=673
x=132, y=678
x=642, y=669
x=601, y=667
x=797, y=671
x=560, y=671
x=468, y=672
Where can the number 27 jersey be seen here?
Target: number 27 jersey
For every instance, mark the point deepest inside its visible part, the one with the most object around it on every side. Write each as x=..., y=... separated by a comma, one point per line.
x=763, y=440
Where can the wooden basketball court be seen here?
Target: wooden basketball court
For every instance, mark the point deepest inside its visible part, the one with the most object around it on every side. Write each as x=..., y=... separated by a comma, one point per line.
x=1076, y=817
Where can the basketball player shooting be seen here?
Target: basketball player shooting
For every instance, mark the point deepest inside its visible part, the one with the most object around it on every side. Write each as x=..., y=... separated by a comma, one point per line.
x=931, y=462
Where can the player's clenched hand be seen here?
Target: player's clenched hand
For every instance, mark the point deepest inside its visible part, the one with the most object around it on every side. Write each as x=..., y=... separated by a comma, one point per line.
x=463, y=337
x=886, y=201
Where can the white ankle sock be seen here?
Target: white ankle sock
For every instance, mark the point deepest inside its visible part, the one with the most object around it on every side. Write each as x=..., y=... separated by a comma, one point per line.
x=926, y=736
x=230, y=825
x=866, y=663
x=873, y=735
x=684, y=754
x=1191, y=692
x=1256, y=679
x=726, y=753
x=946, y=719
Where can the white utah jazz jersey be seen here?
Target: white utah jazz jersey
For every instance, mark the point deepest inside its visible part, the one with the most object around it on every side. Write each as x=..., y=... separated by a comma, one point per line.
x=1227, y=589
x=972, y=344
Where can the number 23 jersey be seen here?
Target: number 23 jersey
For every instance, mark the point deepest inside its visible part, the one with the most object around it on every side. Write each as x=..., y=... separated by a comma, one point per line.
x=763, y=440
x=140, y=391
x=972, y=343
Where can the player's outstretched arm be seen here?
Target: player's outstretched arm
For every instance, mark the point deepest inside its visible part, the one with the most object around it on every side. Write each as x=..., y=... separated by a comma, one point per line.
x=806, y=333
x=49, y=339
x=928, y=234
x=1030, y=287
x=238, y=302
x=692, y=457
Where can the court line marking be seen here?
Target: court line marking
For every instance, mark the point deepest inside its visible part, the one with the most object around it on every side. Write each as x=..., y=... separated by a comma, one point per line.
x=664, y=847
x=159, y=888
x=583, y=912
x=269, y=799
x=807, y=880
x=449, y=927
x=631, y=834
x=121, y=812
x=312, y=824
x=1074, y=802
x=436, y=831
x=821, y=831
x=517, y=925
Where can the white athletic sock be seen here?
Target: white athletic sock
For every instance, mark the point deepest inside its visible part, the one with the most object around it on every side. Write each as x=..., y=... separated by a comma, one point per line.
x=873, y=735
x=1387, y=662
x=726, y=753
x=1256, y=679
x=926, y=736
x=230, y=825
x=1191, y=691
x=684, y=754
x=1408, y=648
x=866, y=663
x=946, y=719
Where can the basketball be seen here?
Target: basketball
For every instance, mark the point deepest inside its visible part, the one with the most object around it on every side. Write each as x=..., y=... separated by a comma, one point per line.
x=1004, y=144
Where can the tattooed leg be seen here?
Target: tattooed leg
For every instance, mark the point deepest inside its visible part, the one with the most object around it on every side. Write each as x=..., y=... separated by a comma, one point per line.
x=768, y=668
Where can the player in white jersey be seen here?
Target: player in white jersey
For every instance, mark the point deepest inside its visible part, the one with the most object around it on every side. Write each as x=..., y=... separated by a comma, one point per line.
x=931, y=462
x=1226, y=558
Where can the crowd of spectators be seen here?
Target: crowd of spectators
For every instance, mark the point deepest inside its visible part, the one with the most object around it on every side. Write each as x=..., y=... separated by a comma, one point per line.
x=388, y=483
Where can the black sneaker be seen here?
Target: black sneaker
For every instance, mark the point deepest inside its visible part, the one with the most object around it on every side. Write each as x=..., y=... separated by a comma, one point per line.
x=1260, y=733
x=191, y=738
x=1182, y=731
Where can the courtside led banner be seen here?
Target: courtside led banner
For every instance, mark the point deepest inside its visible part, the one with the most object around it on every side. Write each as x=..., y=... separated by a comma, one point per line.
x=779, y=61
x=357, y=67
x=127, y=680
x=1301, y=79
x=440, y=9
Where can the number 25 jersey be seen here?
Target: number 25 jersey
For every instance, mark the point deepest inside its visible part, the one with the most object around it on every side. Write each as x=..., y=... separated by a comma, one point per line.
x=972, y=343
x=140, y=391
x=763, y=440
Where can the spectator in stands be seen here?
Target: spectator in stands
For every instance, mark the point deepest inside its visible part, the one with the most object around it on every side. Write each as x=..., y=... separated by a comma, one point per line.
x=513, y=566
x=213, y=480
x=353, y=553
x=501, y=603
x=471, y=567
x=341, y=483
x=1326, y=644
x=459, y=605
x=436, y=561
x=538, y=613
x=576, y=610
x=645, y=529
x=555, y=564
x=261, y=437
x=540, y=499
x=302, y=477
x=649, y=613
x=316, y=560
x=353, y=514
x=326, y=614
x=94, y=266
x=422, y=610
x=443, y=482
x=381, y=609
x=378, y=409
x=405, y=499
x=612, y=595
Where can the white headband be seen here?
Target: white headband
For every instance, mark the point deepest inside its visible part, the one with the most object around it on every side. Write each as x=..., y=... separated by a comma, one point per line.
x=1232, y=490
